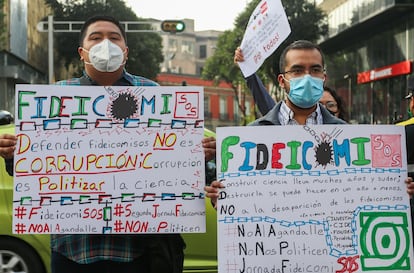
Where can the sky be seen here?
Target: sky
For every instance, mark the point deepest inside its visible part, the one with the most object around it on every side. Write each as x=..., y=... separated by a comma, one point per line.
x=207, y=14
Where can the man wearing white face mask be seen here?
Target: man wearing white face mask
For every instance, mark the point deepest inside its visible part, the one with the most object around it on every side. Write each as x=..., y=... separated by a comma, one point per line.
x=105, y=56
x=104, y=52
x=103, y=49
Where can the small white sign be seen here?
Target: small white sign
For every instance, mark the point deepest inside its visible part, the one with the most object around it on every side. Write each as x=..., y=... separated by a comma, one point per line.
x=268, y=27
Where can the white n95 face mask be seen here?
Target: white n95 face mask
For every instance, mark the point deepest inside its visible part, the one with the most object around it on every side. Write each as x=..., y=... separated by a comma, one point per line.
x=105, y=56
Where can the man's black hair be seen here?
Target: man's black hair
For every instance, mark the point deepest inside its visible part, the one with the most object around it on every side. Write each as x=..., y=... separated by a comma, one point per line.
x=300, y=44
x=97, y=18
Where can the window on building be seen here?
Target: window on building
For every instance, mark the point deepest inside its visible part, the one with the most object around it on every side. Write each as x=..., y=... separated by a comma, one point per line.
x=223, y=108
x=203, y=51
x=207, y=110
x=172, y=45
x=200, y=70
x=187, y=47
x=236, y=111
x=248, y=108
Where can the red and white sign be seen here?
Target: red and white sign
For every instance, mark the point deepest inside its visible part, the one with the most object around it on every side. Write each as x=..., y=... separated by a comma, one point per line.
x=389, y=71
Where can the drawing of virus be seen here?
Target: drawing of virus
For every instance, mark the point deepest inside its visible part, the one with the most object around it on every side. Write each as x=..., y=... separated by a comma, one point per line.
x=323, y=154
x=124, y=106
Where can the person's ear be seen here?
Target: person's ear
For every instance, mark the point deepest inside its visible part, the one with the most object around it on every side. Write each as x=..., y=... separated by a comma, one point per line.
x=80, y=51
x=126, y=52
x=281, y=80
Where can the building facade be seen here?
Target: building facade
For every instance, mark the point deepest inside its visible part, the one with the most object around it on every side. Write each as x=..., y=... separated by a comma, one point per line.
x=185, y=55
x=186, y=52
x=369, y=52
x=220, y=106
x=22, y=48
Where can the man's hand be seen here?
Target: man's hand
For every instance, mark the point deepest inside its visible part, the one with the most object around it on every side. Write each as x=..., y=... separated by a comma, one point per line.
x=238, y=56
x=209, y=145
x=213, y=191
x=7, y=145
x=410, y=186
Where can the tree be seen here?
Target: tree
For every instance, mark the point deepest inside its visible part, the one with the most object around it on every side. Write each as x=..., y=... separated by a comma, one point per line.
x=217, y=67
x=307, y=22
x=145, y=53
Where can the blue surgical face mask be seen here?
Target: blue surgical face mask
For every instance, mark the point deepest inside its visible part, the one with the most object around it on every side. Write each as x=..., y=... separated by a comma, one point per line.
x=305, y=91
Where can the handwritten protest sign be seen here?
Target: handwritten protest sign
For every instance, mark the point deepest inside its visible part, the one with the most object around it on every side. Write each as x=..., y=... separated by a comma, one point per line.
x=324, y=198
x=93, y=159
x=267, y=28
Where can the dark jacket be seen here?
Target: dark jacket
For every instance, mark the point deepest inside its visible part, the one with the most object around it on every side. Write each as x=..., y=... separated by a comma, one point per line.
x=272, y=117
x=260, y=95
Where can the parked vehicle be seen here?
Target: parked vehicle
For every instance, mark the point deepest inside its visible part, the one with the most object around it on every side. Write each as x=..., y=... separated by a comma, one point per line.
x=18, y=253
x=31, y=253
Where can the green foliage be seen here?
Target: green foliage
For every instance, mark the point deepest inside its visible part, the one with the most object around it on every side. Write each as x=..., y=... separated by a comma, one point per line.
x=307, y=22
x=218, y=65
x=145, y=49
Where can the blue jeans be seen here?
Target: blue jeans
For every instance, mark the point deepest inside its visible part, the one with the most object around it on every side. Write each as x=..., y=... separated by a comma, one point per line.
x=61, y=264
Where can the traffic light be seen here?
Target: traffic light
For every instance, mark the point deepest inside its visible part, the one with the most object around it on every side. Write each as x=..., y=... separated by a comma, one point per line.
x=172, y=26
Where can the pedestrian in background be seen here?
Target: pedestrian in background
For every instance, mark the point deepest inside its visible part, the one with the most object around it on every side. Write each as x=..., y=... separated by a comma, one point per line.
x=334, y=103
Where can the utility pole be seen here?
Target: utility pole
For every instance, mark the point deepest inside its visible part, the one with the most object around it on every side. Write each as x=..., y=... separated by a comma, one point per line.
x=349, y=78
x=50, y=48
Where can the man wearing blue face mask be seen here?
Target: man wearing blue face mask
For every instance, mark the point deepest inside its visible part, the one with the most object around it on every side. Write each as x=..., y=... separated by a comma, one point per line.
x=330, y=100
x=302, y=78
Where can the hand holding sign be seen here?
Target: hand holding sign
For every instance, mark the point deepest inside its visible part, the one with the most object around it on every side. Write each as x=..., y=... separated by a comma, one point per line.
x=268, y=27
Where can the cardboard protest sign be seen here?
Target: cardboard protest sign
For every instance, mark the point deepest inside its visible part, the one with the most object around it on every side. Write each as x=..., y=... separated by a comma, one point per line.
x=119, y=159
x=267, y=28
x=321, y=198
